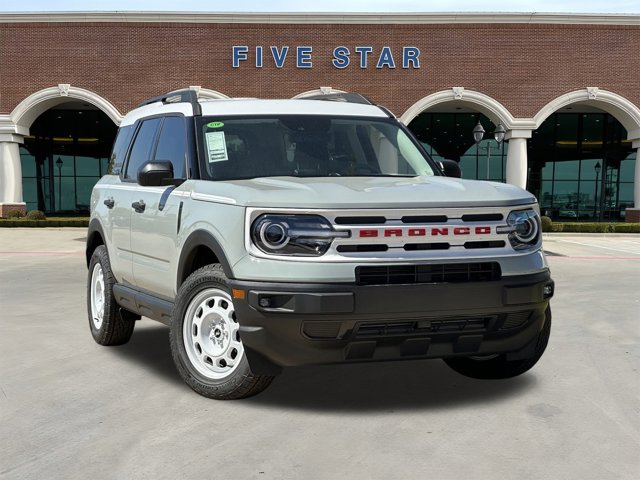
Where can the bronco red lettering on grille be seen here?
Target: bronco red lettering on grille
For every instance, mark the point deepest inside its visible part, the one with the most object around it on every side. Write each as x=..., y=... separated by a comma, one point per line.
x=483, y=230
x=368, y=233
x=393, y=232
x=417, y=232
x=461, y=231
x=439, y=231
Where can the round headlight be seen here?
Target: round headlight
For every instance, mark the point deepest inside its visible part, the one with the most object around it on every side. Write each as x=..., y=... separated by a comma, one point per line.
x=294, y=235
x=523, y=229
x=274, y=235
x=526, y=229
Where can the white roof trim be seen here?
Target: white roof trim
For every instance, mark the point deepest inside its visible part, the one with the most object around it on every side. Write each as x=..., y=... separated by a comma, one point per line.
x=321, y=18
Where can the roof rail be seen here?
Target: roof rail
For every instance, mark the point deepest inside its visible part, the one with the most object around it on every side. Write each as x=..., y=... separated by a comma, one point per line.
x=186, y=95
x=341, y=97
x=348, y=97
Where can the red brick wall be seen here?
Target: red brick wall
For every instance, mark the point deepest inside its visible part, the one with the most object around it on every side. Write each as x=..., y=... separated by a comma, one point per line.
x=523, y=66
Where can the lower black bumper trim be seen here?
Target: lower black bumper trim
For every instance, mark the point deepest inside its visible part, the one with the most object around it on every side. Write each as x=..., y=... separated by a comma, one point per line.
x=302, y=324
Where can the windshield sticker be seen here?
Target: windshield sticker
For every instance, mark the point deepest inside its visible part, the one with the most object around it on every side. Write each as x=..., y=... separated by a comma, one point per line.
x=215, y=125
x=216, y=147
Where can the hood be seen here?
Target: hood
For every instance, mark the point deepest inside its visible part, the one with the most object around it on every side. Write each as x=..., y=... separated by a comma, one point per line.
x=366, y=192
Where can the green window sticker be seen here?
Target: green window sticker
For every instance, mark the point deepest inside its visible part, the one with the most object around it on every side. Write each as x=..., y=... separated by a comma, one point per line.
x=215, y=125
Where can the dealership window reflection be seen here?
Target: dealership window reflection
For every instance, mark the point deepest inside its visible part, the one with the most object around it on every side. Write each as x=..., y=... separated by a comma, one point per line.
x=581, y=167
x=448, y=135
x=63, y=157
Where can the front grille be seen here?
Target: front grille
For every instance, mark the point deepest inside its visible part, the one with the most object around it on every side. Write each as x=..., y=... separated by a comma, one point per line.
x=425, y=219
x=360, y=220
x=420, y=234
x=426, y=246
x=491, y=244
x=362, y=248
x=422, y=327
x=482, y=217
x=435, y=273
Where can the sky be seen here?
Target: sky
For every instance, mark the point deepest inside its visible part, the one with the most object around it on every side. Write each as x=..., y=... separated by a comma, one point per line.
x=339, y=6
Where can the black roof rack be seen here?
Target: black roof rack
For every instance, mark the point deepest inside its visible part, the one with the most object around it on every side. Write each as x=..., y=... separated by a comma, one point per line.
x=348, y=97
x=341, y=97
x=186, y=95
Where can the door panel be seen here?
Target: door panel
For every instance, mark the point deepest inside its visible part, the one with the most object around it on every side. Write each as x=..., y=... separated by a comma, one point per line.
x=153, y=239
x=154, y=228
x=120, y=218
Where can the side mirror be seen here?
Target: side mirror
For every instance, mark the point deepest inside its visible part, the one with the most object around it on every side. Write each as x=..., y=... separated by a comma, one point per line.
x=451, y=168
x=156, y=174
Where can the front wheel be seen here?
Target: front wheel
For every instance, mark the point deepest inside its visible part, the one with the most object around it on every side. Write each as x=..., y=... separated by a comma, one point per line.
x=205, y=339
x=106, y=320
x=497, y=366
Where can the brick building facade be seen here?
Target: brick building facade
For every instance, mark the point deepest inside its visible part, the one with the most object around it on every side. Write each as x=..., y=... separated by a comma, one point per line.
x=514, y=69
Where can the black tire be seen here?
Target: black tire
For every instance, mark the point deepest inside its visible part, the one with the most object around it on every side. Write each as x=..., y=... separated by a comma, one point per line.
x=203, y=345
x=113, y=328
x=498, y=367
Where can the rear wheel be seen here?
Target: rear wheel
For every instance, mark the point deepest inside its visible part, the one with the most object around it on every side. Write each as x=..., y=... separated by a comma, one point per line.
x=106, y=321
x=497, y=366
x=205, y=339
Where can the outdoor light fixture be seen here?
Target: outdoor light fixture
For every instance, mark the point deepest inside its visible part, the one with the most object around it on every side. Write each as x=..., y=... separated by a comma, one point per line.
x=498, y=135
x=597, y=168
x=59, y=165
x=478, y=132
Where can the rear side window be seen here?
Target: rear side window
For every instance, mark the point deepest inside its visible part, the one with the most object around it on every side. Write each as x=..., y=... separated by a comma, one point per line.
x=119, y=150
x=172, y=145
x=142, y=147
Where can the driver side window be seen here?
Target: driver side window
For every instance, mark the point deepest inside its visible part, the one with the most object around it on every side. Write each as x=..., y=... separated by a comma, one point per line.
x=142, y=147
x=172, y=145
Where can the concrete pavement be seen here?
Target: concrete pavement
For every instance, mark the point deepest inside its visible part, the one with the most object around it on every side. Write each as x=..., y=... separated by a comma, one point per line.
x=71, y=409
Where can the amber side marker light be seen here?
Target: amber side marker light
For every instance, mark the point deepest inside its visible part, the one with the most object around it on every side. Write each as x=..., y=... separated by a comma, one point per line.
x=238, y=294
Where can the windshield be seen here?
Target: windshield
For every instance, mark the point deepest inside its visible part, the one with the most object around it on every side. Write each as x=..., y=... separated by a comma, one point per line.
x=308, y=146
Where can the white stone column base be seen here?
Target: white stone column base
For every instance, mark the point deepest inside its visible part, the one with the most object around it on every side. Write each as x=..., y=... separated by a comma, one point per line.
x=636, y=182
x=517, y=162
x=10, y=174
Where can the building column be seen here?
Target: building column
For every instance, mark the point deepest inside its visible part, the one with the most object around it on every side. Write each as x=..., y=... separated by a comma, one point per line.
x=636, y=182
x=10, y=175
x=517, y=163
x=633, y=214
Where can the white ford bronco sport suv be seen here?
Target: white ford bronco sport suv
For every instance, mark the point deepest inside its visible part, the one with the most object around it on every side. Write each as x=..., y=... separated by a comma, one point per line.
x=274, y=233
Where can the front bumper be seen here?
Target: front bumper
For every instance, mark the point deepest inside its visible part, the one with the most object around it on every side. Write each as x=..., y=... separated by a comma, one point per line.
x=284, y=324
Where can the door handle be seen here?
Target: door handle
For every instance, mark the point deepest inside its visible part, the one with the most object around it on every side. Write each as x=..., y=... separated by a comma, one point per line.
x=139, y=206
x=109, y=202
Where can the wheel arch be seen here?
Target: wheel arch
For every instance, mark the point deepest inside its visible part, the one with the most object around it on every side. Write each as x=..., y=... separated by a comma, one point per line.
x=200, y=249
x=95, y=238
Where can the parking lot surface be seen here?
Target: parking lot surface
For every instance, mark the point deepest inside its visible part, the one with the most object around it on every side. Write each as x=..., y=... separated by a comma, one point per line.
x=71, y=409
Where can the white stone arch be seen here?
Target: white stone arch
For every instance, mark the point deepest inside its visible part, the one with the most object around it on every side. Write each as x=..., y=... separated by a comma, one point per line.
x=318, y=91
x=15, y=126
x=459, y=96
x=518, y=130
x=39, y=102
x=626, y=112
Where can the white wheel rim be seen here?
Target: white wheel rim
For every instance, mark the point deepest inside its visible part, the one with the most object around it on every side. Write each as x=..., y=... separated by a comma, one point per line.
x=97, y=296
x=211, y=334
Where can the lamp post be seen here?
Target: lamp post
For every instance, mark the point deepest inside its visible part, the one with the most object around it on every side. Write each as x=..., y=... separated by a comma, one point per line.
x=59, y=165
x=498, y=135
x=597, y=168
